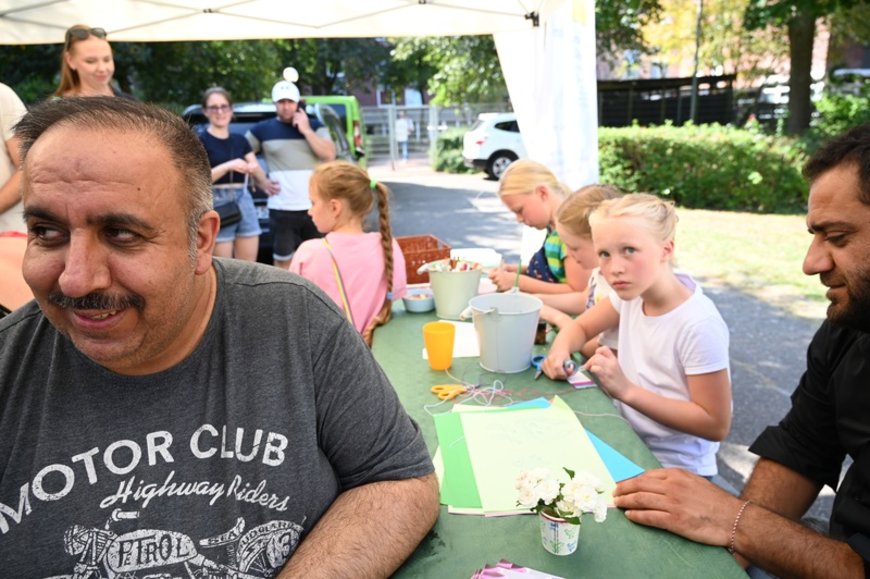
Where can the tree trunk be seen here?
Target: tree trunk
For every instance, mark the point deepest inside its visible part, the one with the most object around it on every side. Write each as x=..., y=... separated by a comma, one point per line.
x=801, y=33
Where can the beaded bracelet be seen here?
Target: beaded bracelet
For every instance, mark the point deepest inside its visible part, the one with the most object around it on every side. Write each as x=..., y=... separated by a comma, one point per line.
x=737, y=522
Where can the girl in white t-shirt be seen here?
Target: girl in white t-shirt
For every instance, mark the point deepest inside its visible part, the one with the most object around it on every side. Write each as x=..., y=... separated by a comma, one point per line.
x=572, y=224
x=362, y=272
x=671, y=381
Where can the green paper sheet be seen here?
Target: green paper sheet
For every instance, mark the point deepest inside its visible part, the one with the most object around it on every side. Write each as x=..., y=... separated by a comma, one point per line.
x=458, y=487
x=502, y=444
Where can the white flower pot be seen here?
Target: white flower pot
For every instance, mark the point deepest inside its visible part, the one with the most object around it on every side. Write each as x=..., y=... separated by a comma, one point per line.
x=558, y=536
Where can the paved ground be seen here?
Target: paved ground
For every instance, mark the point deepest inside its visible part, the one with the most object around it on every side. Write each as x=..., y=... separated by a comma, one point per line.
x=768, y=345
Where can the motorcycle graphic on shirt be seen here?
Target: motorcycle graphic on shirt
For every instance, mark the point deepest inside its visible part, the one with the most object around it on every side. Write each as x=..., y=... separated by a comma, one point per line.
x=153, y=553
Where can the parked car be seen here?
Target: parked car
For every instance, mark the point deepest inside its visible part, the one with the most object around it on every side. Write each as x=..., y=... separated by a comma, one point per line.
x=849, y=81
x=340, y=114
x=493, y=143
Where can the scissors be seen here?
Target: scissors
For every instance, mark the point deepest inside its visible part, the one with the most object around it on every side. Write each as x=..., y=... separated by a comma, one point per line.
x=537, y=361
x=448, y=391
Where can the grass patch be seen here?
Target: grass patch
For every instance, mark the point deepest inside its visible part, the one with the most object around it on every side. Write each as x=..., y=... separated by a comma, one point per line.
x=759, y=254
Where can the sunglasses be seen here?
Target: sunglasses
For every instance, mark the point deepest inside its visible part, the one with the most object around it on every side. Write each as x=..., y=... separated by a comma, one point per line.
x=84, y=33
x=218, y=108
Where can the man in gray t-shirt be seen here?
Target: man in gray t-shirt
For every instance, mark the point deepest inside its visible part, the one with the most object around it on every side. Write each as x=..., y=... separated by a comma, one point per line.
x=162, y=412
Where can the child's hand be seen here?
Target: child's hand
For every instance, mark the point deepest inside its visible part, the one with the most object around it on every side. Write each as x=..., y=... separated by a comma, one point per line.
x=552, y=365
x=606, y=367
x=503, y=277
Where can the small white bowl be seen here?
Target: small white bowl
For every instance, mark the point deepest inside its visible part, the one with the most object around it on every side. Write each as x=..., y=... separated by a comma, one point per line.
x=419, y=300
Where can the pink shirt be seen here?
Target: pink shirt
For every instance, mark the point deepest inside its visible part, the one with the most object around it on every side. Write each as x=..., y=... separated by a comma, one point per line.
x=361, y=264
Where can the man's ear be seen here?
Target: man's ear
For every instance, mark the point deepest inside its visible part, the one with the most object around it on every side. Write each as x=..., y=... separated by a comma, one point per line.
x=206, y=237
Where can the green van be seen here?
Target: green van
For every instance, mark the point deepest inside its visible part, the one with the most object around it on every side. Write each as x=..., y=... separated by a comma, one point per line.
x=349, y=112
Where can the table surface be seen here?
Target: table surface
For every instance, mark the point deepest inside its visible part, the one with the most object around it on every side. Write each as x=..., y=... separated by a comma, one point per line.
x=460, y=544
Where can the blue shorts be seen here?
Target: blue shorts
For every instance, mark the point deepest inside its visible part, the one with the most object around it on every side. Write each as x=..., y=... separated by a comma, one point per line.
x=248, y=226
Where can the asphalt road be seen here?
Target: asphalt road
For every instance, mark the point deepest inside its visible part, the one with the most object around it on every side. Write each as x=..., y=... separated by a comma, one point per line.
x=768, y=345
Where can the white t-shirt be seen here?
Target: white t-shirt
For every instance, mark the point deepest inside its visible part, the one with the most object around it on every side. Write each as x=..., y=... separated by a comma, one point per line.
x=598, y=290
x=404, y=126
x=11, y=110
x=658, y=353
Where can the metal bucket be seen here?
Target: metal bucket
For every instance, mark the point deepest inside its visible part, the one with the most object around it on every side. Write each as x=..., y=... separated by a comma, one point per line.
x=505, y=325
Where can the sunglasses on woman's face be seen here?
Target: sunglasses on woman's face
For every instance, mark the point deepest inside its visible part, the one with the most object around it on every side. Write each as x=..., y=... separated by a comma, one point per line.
x=84, y=33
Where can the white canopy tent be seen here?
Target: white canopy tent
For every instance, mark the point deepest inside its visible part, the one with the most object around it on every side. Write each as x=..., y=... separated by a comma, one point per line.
x=546, y=47
x=44, y=21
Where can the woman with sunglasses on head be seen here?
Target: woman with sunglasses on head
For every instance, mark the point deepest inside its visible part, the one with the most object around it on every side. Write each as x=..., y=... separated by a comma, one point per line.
x=86, y=65
x=232, y=163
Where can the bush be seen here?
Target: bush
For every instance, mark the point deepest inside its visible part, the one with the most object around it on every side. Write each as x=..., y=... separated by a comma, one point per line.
x=705, y=167
x=836, y=114
x=700, y=167
x=448, y=152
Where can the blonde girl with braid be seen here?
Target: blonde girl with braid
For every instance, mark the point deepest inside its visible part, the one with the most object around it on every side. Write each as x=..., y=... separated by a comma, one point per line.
x=362, y=272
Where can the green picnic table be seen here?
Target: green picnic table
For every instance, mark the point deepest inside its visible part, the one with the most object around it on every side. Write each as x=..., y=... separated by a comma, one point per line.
x=461, y=544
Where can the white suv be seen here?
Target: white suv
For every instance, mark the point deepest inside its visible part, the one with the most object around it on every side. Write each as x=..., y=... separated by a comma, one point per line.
x=493, y=143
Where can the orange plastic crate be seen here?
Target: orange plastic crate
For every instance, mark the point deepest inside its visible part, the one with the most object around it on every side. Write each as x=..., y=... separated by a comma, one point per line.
x=420, y=249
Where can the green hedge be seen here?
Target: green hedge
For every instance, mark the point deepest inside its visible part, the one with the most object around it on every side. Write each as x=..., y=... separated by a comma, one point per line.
x=447, y=156
x=707, y=166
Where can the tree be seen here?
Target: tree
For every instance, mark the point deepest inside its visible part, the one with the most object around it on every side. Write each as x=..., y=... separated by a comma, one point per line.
x=336, y=65
x=37, y=79
x=619, y=25
x=799, y=18
x=176, y=73
x=459, y=69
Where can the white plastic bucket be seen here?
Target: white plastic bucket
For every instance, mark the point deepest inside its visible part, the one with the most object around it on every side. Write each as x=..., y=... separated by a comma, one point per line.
x=505, y=325
x=452, y=290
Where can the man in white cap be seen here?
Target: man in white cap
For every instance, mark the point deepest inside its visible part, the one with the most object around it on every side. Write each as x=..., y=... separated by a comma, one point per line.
x=293, y=145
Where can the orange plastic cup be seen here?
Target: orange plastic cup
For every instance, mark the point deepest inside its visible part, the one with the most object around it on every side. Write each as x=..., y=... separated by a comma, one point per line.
x=438, y=338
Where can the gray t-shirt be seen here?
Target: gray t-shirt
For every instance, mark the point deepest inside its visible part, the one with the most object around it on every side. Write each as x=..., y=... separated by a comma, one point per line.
x=222, y=462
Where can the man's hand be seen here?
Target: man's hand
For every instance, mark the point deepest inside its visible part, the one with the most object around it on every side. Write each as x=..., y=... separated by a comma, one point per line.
x=301, y=121
x=679, y=502
x=370, y=530
x=270, y=187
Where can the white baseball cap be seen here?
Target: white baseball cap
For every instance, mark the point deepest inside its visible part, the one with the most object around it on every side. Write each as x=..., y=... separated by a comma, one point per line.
x=285, y=90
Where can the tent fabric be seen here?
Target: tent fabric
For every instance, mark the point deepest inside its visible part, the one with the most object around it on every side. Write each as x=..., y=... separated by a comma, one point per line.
x=546, y=47
x=44, y=22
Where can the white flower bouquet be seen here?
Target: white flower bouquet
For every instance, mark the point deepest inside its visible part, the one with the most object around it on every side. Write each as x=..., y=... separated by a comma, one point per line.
x=581, y=493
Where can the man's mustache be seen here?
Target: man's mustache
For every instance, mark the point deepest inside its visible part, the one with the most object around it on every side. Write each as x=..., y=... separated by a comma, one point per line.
x=96, y=301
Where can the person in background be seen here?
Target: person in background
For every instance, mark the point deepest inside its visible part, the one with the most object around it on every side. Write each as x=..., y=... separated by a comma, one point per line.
x=11, y=109
x=404, y=128
x=293, y=145
x=671, y=381
x=232, y=163
x=154, y=392
x=534, y=194
x=362, y=272
x=86, y=64
x=572, y=224
x=14, y=292
x=828, y=421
